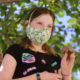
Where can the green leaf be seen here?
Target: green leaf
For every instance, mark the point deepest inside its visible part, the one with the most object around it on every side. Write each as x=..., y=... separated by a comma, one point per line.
x=72, y=20
x=40, y=3
x=61, y=13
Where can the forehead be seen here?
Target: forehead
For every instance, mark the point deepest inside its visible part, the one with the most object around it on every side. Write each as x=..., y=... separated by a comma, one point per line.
x=44, y=18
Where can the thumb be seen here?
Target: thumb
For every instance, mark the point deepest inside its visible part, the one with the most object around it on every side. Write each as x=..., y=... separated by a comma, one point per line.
x=59, y=71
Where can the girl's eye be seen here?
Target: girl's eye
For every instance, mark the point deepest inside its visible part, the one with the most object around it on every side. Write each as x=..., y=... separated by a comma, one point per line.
x=49, y=26
x=39, y=23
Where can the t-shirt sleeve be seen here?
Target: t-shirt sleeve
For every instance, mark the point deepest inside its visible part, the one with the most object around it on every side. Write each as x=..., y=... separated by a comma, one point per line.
x=59, y=60
x=14, y=50
x=53, y=63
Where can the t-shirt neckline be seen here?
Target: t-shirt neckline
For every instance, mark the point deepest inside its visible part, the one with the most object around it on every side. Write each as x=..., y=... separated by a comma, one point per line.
x=37, y=51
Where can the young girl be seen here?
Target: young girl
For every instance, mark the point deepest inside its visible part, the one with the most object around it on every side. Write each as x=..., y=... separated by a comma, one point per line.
x=33, y=59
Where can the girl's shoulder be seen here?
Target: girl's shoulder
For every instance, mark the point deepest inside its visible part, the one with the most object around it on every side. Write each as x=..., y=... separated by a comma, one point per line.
x=14, y=47
x=14, y=50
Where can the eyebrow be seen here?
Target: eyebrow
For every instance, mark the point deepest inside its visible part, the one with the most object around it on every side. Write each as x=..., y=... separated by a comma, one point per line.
x=41, y=21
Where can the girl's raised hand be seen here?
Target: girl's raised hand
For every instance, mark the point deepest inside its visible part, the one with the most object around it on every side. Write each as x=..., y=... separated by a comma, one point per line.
x=67, y=60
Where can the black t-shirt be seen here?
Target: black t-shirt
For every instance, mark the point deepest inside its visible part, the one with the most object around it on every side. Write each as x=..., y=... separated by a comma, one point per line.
x=30, y=62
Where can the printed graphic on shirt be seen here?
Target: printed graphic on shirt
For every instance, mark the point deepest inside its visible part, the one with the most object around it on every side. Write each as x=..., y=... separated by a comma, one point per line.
x=54, y=64
x=29, y=70
x=28, y=58
x=43, y=61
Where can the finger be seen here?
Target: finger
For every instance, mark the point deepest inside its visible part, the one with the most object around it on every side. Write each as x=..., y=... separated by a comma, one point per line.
x=59, y=77
x=65, y=49
x=72, y=56
x=72, y=59
x=65, y=56
x=59, y=71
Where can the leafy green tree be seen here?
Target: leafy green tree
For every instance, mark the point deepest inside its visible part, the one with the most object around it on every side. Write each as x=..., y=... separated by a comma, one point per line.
x=12, y=16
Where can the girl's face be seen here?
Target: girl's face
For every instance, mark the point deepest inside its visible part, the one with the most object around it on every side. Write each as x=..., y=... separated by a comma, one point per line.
x=41, y=21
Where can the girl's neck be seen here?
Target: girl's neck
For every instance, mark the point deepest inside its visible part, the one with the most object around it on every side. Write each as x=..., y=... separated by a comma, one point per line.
x=37, y=46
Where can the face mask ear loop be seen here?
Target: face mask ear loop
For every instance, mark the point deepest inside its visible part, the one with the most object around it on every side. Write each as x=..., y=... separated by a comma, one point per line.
x=31, y=16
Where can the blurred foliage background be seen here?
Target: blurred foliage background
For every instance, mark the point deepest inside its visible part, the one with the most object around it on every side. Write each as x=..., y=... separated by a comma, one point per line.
x=67, y=24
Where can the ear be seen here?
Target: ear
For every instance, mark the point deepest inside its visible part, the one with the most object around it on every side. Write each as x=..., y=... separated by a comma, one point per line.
x=26, y=22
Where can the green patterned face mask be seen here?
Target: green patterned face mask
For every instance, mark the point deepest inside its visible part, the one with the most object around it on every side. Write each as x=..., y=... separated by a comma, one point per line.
x=38, y=35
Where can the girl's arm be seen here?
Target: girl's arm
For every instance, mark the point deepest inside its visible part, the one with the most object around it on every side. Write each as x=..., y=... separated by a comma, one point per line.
x=67, y=63
x=7, y=69
x=67, y=77
x=31, y=77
